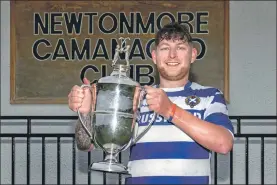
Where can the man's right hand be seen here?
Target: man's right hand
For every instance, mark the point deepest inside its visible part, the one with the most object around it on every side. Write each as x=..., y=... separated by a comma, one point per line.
x=80, y=98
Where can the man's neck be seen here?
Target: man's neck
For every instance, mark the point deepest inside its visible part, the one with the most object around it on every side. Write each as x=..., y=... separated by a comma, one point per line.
x=172, y=84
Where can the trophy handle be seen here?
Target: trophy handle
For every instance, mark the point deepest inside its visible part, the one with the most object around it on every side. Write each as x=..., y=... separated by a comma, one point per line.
x=80, y=116
x=135, y=140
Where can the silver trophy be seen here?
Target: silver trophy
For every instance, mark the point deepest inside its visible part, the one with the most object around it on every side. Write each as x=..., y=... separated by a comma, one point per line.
x=115, y=111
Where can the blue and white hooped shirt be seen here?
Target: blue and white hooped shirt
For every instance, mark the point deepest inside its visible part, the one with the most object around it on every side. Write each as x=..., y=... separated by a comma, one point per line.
x=165, y=154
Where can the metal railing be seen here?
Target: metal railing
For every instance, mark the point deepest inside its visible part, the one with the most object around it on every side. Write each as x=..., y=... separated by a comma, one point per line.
x=43, y=136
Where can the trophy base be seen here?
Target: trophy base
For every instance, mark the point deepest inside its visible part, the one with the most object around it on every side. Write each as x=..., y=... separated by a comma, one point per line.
x=109, y=166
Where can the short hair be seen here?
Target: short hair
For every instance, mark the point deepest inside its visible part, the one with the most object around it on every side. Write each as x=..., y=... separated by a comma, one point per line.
x=173, y=31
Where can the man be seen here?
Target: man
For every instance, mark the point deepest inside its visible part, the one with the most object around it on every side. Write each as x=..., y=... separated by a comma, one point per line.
x=192, y=122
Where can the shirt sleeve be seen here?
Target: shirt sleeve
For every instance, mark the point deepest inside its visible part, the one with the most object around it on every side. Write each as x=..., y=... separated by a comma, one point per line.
x=217, y=112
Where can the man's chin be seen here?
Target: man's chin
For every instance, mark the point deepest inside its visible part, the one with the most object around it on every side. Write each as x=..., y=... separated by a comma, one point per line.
x=172, y=77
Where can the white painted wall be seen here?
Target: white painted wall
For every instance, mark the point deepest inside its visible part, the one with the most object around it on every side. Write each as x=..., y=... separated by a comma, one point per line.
x=252, y=92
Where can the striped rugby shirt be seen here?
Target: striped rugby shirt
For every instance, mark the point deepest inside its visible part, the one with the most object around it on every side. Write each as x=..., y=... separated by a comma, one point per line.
x=165, y=154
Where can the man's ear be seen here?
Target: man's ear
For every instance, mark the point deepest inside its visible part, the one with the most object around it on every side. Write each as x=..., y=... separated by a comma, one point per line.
x=153, y=53
x=193, y=55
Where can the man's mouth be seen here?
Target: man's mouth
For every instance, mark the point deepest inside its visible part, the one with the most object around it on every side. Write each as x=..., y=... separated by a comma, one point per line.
x=172, y=63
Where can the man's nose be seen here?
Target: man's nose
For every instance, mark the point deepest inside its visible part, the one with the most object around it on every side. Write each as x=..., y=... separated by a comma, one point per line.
x=172, y=53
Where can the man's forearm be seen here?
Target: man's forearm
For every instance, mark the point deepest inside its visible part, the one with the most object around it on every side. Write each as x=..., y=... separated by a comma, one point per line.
x=210, y=136
x=83, y=140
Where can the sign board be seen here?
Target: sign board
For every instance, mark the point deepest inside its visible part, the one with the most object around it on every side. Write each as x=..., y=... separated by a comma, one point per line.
x=54, y=44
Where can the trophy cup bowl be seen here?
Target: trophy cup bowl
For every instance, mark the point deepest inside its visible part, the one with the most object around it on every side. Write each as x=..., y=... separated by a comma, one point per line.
x=113, y=122
x=115, y=110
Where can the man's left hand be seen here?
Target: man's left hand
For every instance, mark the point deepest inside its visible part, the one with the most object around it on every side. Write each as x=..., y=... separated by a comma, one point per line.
x=158, y=101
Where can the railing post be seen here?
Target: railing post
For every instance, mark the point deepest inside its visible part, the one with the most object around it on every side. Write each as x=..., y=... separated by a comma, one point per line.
x=89, y=173
x=231, y=167
x=13, y=161
x=73, y=161
x=262, y=160
x=58, y=160
x=29, y=131
x=246, y=161
x=43, y=161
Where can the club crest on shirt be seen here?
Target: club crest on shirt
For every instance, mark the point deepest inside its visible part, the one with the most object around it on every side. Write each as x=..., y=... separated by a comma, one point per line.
x=192, y=101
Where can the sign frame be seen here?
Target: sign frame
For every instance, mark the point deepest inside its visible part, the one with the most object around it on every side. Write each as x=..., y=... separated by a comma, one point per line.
x=38, y=100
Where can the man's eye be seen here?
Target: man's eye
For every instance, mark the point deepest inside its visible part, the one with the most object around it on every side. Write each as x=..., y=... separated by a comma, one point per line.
x=164, y=48
x=181, y=48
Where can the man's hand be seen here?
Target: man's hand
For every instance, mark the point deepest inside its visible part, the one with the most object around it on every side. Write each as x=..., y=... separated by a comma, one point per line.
x=158, y=101
x=81, y=98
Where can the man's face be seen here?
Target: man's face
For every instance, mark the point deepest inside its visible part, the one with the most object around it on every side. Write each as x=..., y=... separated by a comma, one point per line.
x=173, y=59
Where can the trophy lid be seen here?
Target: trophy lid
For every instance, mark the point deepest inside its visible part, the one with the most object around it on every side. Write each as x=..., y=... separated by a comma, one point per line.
x=120, y=70
x=119, y=76
x=121, y=67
